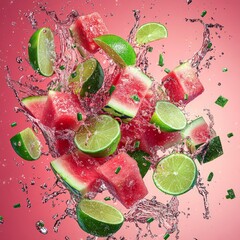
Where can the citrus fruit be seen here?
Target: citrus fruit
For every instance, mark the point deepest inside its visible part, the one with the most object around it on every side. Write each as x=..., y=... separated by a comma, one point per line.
x=175, y=174
x=117, y=48
x=41, y=51
x=168, y=117
x=26, y=144
x=98, y=218
x=88, y=77
x=150, y=32
x=99, y=137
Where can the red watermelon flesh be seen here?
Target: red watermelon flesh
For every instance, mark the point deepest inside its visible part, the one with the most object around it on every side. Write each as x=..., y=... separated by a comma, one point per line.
x=86, y=28
x=131, y=86
x=127, y=185
x=61, y=111
x=182, y=84
x=35, y=105
x=198, y=132
x=152, y=137
x=78, y=172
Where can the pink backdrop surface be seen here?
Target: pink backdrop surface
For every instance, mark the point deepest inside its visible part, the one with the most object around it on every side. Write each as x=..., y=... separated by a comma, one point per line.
x=184, y=39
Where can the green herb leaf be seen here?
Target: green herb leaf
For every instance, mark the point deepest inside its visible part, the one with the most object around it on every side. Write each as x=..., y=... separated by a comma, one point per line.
x=203, y=13
x=118, y=170
x=210, y=177
x=221, y=101
x=161, y=60
x=166, y=70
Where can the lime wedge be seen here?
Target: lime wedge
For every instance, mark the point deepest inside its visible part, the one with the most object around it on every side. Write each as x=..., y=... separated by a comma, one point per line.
x=99, y=137
x=150, y=32
x=41, y=51
x=87, y=78
x=98, y=218
x=175, y=174
x=26, y=144
x=168, y=117
x=117, y=48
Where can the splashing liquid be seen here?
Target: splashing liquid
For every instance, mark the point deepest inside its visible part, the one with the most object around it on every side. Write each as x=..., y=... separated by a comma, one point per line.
x=166, y=214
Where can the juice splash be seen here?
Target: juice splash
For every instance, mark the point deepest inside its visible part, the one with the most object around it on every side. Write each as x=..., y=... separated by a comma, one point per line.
x=166, y=214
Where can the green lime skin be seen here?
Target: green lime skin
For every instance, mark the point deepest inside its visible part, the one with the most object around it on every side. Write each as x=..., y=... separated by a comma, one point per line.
x=94, y=226
x=118, y=49
x=26, y=145
x=35, y=55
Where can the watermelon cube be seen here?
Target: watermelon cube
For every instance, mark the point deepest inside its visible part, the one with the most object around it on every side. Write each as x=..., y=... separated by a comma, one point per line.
x=78, y=172
x=123, y=179
x=152, y=137
x=196, y=132
x=61, y=111
x=35, y=105
x=182, y=84
x=131, y=86
x=86, y=28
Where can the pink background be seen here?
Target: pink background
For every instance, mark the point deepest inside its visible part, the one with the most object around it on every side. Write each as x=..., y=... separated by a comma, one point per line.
x=184, y=39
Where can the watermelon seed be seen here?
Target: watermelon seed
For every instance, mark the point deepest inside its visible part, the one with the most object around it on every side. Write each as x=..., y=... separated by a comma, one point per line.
x=231, y=194
x=74, y=74
x=135, y=98
x=166, y=70
x=204, y=13
x=111, y=90
x=18, y=205
x=62, y=67
x=118, y=170
x=230, y=135
x=210, y=177
x=137, y=144
x=14, y=124
x=79, y=116
x=150, y=49
x=209, y=45
x=149, y=220
x=161, y=60
x=107, y=198
x=166, y=236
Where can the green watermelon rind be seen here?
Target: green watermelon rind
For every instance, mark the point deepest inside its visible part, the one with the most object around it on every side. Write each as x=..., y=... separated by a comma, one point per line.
x=73, y=184
x=214, y=150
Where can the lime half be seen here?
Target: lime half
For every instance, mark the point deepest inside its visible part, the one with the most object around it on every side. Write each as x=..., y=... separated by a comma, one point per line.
x=98, y=218
x=117, y=48
x=87, y=78
x=99, y=137
x=26, y=144
x=150, y=32
x=168, y=117
x=41, y=51
x=175, y=174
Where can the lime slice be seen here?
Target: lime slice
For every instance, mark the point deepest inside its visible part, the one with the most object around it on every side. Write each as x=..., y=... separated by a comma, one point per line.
x=87, y=78
x=41, y=51
x=150, y=32
x=98, y=218
x=175, y=174
x=26, y=144
x=99, y=137
x=117, y=48
x=168, y=117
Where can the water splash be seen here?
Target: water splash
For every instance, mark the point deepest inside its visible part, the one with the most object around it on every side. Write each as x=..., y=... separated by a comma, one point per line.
x=201, y=53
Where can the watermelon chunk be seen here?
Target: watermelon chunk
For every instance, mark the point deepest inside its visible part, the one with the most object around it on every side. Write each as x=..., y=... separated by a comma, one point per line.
x=182, y=84
x=131, y=86
x=61, y=111
x=78, y=172
x=86, y=28
x=35, y=105
x=196, y=132
x=152, y=137
x=126, y=185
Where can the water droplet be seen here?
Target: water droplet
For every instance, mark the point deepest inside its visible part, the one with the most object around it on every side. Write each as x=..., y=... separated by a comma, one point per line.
x=40, y=227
